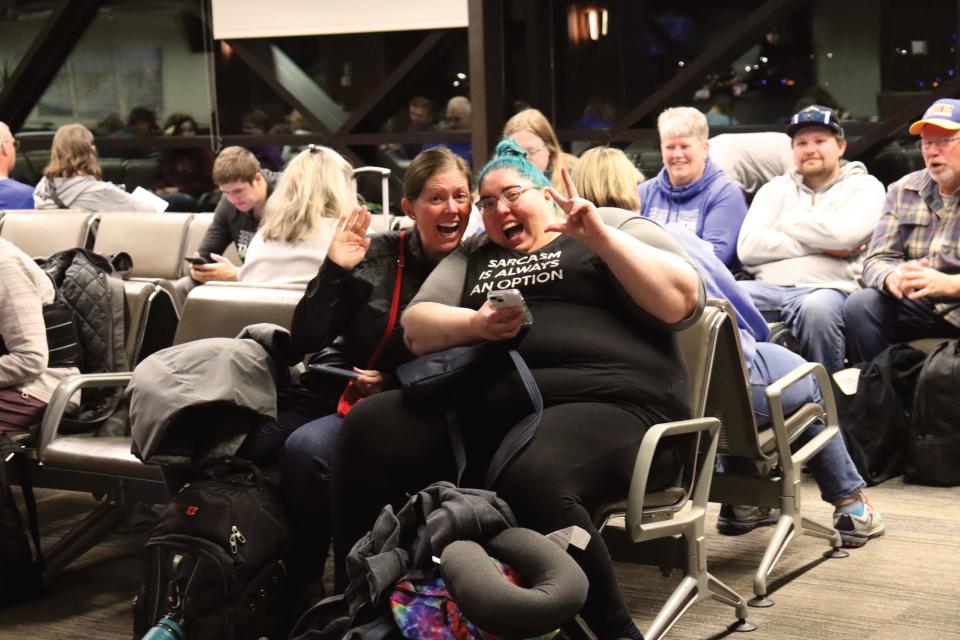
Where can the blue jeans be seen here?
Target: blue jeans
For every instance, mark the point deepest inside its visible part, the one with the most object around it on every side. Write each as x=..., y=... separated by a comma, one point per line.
x=814, y=315
x=306, y=463
x=262, y=444
x=832, y=468
x=877, y=320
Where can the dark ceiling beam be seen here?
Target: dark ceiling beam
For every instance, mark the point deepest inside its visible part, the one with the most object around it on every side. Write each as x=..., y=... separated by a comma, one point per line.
x=285, y=76
x=717, y=56
x=413, y=63
x=896, y=125
x=40, y=64
x=485, y=44
x=298, y=89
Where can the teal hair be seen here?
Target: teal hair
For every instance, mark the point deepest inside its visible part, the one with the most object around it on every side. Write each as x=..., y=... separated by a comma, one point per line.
x=510, y=155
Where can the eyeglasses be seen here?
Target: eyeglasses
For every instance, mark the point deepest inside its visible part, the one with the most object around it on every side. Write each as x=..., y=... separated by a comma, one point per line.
x=939, y=143
x=534, y=150
x=510, y=195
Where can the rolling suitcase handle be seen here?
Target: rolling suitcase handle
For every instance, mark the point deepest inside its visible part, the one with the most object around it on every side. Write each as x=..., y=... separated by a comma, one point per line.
x=384, y=184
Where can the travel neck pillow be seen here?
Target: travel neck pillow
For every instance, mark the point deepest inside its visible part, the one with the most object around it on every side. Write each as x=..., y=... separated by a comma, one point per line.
x=556, y=592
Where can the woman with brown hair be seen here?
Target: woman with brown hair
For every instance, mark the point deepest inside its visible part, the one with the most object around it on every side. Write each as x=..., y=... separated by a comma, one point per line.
x=345, y=313
x=531, y=130
x=72, y=179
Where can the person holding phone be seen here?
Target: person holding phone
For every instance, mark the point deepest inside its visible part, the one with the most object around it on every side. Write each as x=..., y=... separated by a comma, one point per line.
x=344, y=315
x=607, y=291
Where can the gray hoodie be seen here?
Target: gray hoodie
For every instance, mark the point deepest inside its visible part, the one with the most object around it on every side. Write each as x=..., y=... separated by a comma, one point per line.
x=85, y=193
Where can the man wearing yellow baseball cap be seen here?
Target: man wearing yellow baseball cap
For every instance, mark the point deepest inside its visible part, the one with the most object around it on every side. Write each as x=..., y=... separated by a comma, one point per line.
x=912, y=267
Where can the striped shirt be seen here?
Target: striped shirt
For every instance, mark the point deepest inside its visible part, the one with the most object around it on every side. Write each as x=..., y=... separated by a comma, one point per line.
x=917, y=222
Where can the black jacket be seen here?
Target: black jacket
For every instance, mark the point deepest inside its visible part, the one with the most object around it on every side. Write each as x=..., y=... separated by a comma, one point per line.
x=349, y=309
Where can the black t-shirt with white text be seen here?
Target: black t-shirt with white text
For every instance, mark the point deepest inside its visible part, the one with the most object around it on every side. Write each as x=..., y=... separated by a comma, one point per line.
x=587, y=342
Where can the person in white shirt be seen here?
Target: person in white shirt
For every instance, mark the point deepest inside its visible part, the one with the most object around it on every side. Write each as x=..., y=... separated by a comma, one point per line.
x=804, y=236
x=300, y=218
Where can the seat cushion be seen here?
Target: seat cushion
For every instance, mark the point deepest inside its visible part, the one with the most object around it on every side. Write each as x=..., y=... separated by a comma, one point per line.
x=102, y=456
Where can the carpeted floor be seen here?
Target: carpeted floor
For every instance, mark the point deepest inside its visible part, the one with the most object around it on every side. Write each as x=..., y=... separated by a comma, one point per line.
x=903, y=586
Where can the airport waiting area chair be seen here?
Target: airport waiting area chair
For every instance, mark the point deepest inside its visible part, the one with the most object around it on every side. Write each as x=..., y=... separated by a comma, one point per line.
x=728, y=399
x=678, y=513
x=155, y=241
x=104, y=464
x=40, y=234
x=198, y=229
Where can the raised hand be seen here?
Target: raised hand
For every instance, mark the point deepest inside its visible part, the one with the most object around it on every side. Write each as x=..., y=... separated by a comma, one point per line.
x=583, y=223
x=350, y=242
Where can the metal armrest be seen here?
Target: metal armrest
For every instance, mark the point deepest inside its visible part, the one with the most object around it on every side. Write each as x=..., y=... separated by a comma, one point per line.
x=703, y=474
x=61, y=398
x=774, y=394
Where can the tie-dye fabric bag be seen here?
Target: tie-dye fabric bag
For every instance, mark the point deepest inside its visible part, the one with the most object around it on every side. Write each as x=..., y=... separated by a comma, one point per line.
x=424, y=610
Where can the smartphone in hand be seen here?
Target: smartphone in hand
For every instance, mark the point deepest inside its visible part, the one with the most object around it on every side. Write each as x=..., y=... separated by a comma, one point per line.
x=195, y=261
x=506, y=298
x=329, y=369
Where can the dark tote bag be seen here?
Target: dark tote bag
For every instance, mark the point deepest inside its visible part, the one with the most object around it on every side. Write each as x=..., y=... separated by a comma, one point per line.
x=875, y=421
x=431, y=381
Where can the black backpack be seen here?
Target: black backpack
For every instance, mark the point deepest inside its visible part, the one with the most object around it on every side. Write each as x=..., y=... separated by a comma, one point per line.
x=933, y=447
x=21, y=573
x=216, y=560
x=876, y=419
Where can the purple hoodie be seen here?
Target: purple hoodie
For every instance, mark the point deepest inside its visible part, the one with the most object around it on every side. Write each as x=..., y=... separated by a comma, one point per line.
x=713, y=207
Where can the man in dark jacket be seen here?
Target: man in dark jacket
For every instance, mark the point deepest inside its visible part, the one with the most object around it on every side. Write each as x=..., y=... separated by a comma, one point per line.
x=245, y=186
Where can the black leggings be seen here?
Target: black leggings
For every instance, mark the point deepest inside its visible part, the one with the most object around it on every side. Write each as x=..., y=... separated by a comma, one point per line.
x=581, y=458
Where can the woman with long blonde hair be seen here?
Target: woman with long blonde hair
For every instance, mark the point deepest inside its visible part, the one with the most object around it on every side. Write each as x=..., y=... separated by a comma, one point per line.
x=300, y=218
x=531, y=130
x=72, y=178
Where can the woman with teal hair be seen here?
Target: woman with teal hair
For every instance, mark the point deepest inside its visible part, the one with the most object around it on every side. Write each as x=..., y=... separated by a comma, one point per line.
x=607, y=290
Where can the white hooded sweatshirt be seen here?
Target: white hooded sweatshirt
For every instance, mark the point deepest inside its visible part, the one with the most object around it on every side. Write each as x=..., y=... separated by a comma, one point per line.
x=788, y=225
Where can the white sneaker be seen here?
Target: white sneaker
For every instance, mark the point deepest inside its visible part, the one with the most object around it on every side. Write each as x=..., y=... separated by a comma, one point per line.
x=857, y=528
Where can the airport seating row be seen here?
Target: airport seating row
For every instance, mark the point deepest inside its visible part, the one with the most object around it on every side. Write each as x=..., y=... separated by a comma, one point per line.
x=723, y=420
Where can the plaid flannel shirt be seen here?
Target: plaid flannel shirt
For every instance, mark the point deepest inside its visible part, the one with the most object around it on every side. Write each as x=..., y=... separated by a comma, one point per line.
x=916, y=223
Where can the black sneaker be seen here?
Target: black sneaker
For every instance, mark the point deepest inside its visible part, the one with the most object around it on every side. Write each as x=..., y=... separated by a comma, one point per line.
x=738, y=519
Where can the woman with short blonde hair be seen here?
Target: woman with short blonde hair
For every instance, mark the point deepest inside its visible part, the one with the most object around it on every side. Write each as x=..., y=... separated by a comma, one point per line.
x=300, y=218
x=683, y=121
x=606, y=177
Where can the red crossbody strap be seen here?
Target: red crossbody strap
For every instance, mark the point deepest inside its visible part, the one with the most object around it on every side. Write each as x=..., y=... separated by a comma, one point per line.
x=394, y=306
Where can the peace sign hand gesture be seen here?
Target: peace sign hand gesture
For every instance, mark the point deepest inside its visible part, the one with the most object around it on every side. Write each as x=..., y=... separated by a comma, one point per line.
x=350, y=241
x=583, y=223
